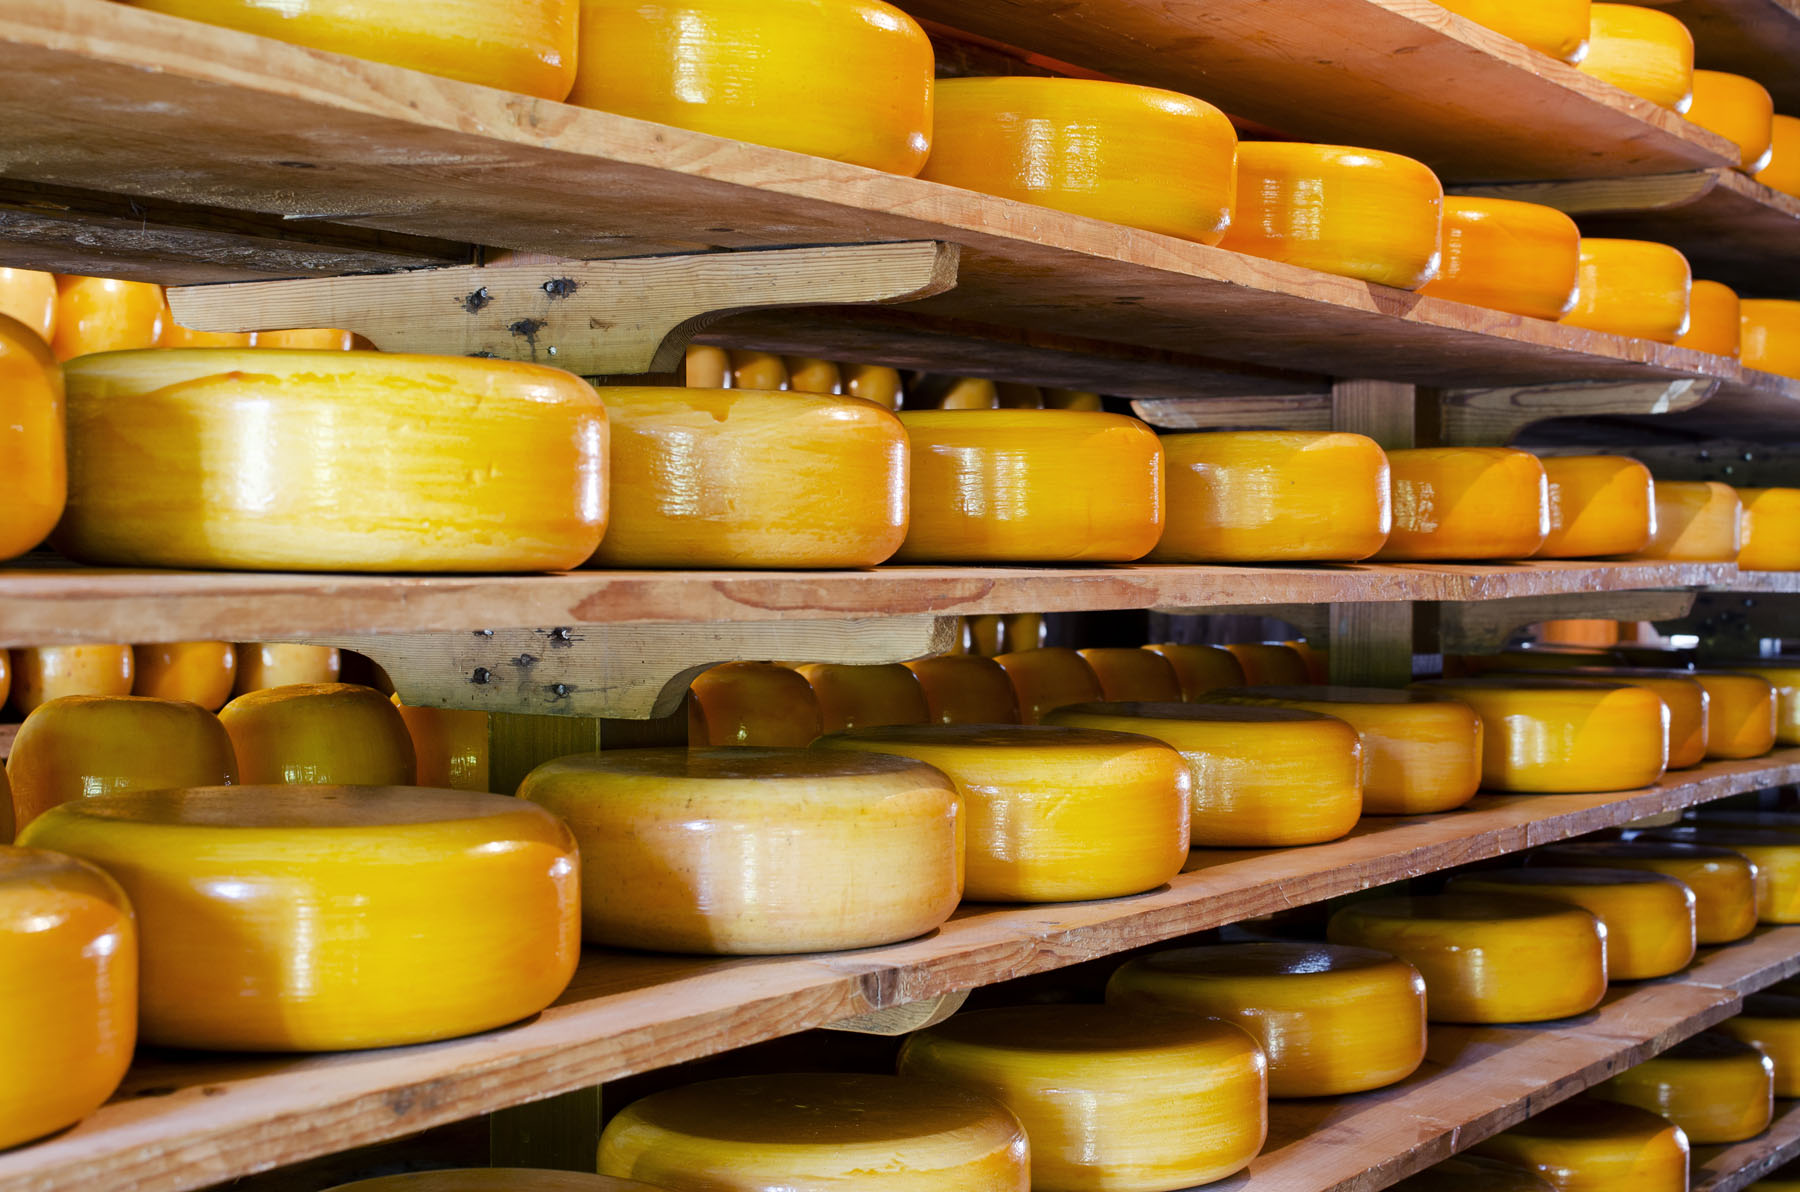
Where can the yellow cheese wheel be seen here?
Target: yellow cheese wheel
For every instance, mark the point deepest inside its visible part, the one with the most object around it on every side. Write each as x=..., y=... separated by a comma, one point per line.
x=450, y=746
x=1317, y=660
x=1332, y=1020
x=1771, y=1022
x=29, y=296
x=1270, y=664
x=764, y=371
x=1467, y=503
x=1696, y=522
x=32, y=438
x=1032, y=486
x=105, y=314
x=1599, y=505
x=1130, y=155
x=874, y=382
x=68, y=991
x=705, y=367
x=1740, y=719
x=199, y=672
x=1473, y=1173
x=1774, y=851
x=1643, y=51
x=757, y=704
x=1054, y=814
x=1273, y=497
x=174, y=335
x=1552, y=735
x=319, y=733
x=1520, y=258
x=1130, y=673
x=1421, y=751
x=1633, y=288
x=1487, y=958
x=313, y=918
x=310, y=339
x=1047, y=679
x=1739, y=109
x=1006, y=633
x=1771, y=529
x=1559, y=28
x=1263, y=777
x=1682, y=693
x=966, y=689
x=865, y=696
x=1649, y=917
x=1723, y=880
x=1588, y=1145
x=1783, y=171
x=808, y=374
x=43, y=673
x=494, y=1179
x=1355, y=212
x=1125, y=1100
x=282, y=664
x=819, y=1132
x=1771, y=335
x=1715, y=1087
x=748, y=478
x=1201, y=669
x=1714, y=320
x=756, y=851
x=1784, y=675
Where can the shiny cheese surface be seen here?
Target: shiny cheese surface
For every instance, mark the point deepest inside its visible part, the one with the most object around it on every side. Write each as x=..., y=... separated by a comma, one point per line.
x=1682, y=693
x=29, y=296
x=1715, y=1087
x=808, y=374
x=174, y=335
x=1263, y=777
x=1558, y=28
x=865, y=696
x=68, y=991
x=1473, y=1173
x=282, y=664
x=6, y=808
x=311, y=918
x=1113, y=1100
x=1771, y=335
x=1774, y=851
x=757, y=370
x=1739, y=109
x=1771, y=529
x=1783, y=171
x=754, y=851
x=749, y=478
x=1270, y=664
x=1356, y=212
x=1054, y=814
x=1723, y=880
x=705, y=367
x=819, y=1132
x=105, y=314
x=1643, y=51
x=199, y=672
x=966, y=689
x=1520, y=258
x=450, y=746
x=1032, y=486
x=1589, y=1145
x=1047, y=679
x=1330, y=1019
x=873, y=382
x=43, y=673
x=1632, y=288
x=1274, y=497
x=1487, y=958
x=1714, y=320
x=330, y=733
x=494, y=1179
x=1200, y=669
x=1550, y=735
x=1740, y=718
x=1784, y=675
x=846, y=79
x=171, y=462
x=1771, y=1021
x=757, y=704
x=1599, y=505
x=1129, y=155
x=1649, y=917
x=1467, y=503
x=1421, y=752
x=1696, y=522
x=33, y=446
x=1130, y=673
x=1006, y=633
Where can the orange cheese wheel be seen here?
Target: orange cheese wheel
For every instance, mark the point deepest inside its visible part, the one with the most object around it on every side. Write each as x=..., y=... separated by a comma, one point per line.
x=450, y=746
x=1332, y=1020
x=1599, y=505
x=1588, y=1145
x=1032, y=486
x=754, y=370
x=1774, y=851
x=1723, y=880
x=29, y=296
x=1129, y=155
x=199, y=672
x=1487, y=958
x=1771, y=1022
x=43, y=673
x=1558, y=28
x=1421, y=752
x=966, y=689
x=1129, y=673
x=312, y=918
x=1520, y=258
x=874, y=382
x=1739, y=109
x=1632, y=288
x=1006, y=633
x=757, y=704
x=1699, y=522
x=174, y=335
x=1740, y=718
x=1715, y=1087
x=819, y=1132
x=1783, y=171
x=756, y=851
x=1473, y=1173
x=309, y=339
x=1771, y=529
x=1771, y=335
x=494, y=1179
x=1649, y=917
x=33, y=447
x=282, y=664
x=808, y=374
x=1551, y=735
x=749, y=478
x=1467, y=503
x=1273, y=497
x=1317, y=660
x=1054, y=814
x=1200, y=669
x=319, y=733
x=1047, y=679
x=1715, y=318
x=1263, y=777
x=1127, y=1100
x=1643, y=51
x=1270, y=664
x=705, y=367
x=1784, y=675
x=1682, y=693
x=865, y=696
x=68, y=991
x=105, y=314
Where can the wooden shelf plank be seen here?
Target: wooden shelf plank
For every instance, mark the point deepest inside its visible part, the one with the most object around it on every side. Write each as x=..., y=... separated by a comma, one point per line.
x=1758, y=38
x=1757, y=403
x=1774, y=582
x=183, y=1121
x=1731, y=1168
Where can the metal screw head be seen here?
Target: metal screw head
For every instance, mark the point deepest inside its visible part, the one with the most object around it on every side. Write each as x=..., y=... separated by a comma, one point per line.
x=482, y=675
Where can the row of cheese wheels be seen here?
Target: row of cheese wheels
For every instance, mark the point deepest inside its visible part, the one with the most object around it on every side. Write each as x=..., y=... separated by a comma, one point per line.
x=745, y=368
x=203, y=673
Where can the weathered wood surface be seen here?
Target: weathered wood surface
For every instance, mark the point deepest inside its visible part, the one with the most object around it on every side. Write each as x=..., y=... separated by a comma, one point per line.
x=1737, y=1166
x=1484, y=627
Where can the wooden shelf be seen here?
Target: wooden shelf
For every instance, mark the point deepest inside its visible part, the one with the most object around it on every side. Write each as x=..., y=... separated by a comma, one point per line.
x=1731, y=1168
x=1758, y=38
x=183, y=1121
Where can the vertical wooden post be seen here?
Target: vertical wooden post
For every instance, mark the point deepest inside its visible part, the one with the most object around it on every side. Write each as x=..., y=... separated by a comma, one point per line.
x=1386, y=411
x=1372, y=644
x=559, y=1133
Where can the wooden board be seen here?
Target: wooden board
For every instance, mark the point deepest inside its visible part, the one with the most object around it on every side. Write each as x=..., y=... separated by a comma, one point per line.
x=1757, y=405
x=1731, y=1168
x=185, y=1121
x=1759, y=38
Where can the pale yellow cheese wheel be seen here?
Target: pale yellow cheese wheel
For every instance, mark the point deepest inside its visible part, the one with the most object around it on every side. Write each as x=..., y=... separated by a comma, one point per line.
x=1771, y=529
x=1739, y=109
x=1723, y=880
x=1715, y=1087
x=1474, y=1173
x=1697, y=522
x=1467, y=503
x=1050, y=678
x=1589, y=1145
x=313, y=733
x=1559, y=28
x=1599, y=505
x=1649, y=917
x=1682, y=693
x=1201, y=668
x=1643, y=51
x=1715, y=320
x=494, y=1179
x=43, y=673
x=1771, y=1021
x=865, y=696
x=1633, y=288
x=1112, y=1099
x=1549, y=735
x=1130, y=673
x=1487, y=958
x=1774, y=851
x=1784, y=675
x=758, y=704
x=1521, y=258
x=966, y=689
x=1330, y=1019
x=279, y=664
x=819, y=1132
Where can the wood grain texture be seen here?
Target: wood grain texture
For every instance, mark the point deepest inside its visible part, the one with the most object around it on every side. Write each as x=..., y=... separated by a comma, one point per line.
x=1758, y=38
x=1371, y=644
x=1383, y=410
x=1734, y=1167
x=1483, y=627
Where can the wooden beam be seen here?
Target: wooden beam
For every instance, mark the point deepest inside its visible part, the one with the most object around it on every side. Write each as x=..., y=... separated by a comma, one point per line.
x=1484, y=627
x=1493, y=417
x=1371, y=645
x=1386, y=411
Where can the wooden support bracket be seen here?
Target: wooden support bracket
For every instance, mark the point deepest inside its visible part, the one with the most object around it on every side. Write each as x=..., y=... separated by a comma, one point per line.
x=1483, y=627
x=1592, y=196
x=902, y=1020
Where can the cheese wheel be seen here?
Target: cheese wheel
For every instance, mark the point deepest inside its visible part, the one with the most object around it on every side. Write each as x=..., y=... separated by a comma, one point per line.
x=705, y=367
x=1125, y=1100
x=1332, y=1020
x=1649, y=917
x=1520, y=258
x=310, y=339
x=1054, y=814
x=1643, y=51
x=1318, y=661
x=966, y=689
x=757, y=704
x=170, y=462
x=1270, y=664
x=1723, y=880
x=1632, y=288
x=1467, y=503
x=1771, y=335
x=1783, y=171
x=174, y=335
x=283, y=664
x=1588, y=1145
x=105, y=314
x=43, y=673
x=1273, y=497
x=319, y=733
x=1200, y=669
x=755, y=370
x=865, y=696
x=315, y=918
x=1714, y=320
x=1551, y=735
x=494, y=1179
x=1784, y=675
x=1558, y=28
x=748, y=478
x=756, y=851
x=851, y=81
x=820, y=1132
x=1771, y=529
x=1031, y=486
x=1047, y=679
x=1699, y=522
x=1774, y=851
x=1263, y=777
x=1472, y=1173
x=1599, y=505
x=450, y=746
x=1715, y=1087
x=68, y=991
x=1682, y=693
x=874, y=382
x=29, y=296
x=1129, y=673
x=1006, y=633
x=1356, y=212
x=198, y=672
x=1072, y=399
x=808, y=374
x=935, y=392
x=1739, y=109
x=32, y=438
x=1421, y=752
x=1487, y=958
x=6, y=808
x=1771, y=1023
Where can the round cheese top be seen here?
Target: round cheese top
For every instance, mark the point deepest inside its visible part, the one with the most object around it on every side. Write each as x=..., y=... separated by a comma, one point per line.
x=1120, y=712
x=1589, y=1144
x=765, y=774
x=1102, y=1041
x=1273, y=969
x=1027, y=748
x=495, y=1179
